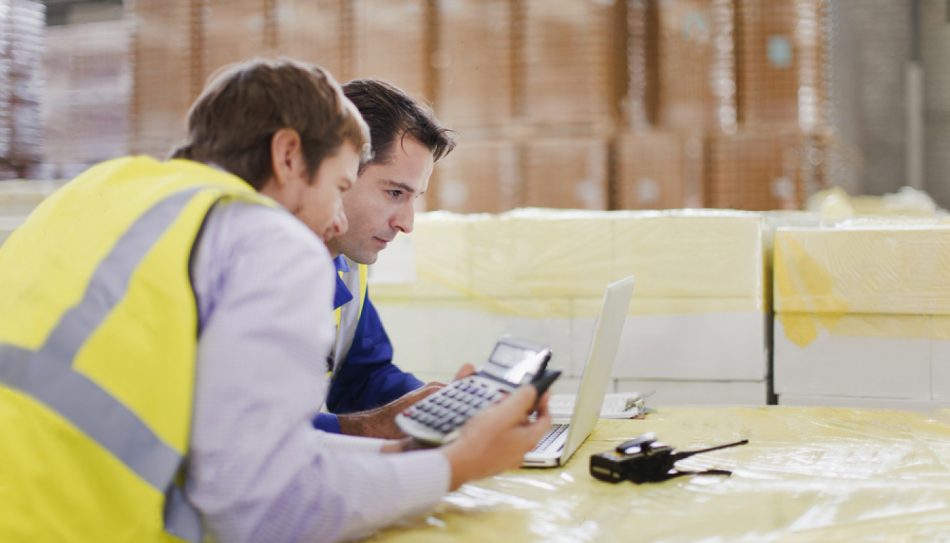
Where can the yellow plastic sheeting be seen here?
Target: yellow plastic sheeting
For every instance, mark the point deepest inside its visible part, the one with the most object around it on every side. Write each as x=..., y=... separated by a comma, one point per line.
x=835, y=204
x=895, y=270
x=808, y=474
x=685, y=261
x=822, y=275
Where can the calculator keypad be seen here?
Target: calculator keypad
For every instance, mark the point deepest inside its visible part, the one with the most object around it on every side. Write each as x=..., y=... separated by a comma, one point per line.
x=448, y=408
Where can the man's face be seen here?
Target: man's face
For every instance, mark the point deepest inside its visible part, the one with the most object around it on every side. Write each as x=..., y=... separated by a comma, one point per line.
x=318, y=200
x=381, y=203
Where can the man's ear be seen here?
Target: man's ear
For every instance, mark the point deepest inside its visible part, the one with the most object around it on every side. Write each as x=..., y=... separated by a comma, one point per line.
x=286, y=157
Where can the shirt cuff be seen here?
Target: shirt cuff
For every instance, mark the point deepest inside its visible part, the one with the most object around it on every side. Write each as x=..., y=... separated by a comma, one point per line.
x=426, y=475
x=327, y=422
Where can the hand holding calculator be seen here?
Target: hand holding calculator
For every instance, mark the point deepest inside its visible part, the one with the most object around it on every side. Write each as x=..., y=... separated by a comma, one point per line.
x=438, y=418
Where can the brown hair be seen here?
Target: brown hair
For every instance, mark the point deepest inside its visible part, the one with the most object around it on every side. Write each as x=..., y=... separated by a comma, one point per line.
x=233, y=121
x=391, y=114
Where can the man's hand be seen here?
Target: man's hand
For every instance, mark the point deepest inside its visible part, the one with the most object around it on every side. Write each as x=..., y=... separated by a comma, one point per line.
x=463, y=372
x=380, y=422
x=497, y=439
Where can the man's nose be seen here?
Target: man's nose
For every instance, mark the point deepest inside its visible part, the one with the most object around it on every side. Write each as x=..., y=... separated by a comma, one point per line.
x=340, y=224
x=404, y=218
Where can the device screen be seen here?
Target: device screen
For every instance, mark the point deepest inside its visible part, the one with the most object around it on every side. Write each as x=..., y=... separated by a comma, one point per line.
x=514, y=363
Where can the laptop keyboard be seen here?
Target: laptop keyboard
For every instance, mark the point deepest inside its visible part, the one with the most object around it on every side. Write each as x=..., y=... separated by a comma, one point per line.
x=552, y=434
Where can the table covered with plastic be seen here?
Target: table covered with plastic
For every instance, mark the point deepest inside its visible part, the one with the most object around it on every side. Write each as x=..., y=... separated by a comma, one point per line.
x=807, y=474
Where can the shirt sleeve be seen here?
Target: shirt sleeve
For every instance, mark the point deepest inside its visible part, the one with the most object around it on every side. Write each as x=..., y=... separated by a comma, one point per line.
x=368, y=378
x=257, y=470
x=328, y=422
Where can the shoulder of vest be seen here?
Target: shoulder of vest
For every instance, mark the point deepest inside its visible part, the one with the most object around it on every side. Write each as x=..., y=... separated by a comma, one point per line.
x=188, y=174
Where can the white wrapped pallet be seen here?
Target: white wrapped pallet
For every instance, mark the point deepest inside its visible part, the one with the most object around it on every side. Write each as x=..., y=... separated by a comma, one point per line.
x=699, y=312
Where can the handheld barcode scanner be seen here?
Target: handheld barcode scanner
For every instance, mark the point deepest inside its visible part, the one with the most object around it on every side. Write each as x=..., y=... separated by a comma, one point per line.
x=645, y=460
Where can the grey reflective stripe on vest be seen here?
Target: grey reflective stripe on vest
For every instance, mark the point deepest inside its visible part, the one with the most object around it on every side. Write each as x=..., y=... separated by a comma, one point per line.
x=47, y=374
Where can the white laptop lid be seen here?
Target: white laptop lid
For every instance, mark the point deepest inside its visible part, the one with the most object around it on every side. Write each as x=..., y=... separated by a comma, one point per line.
x=599, y=368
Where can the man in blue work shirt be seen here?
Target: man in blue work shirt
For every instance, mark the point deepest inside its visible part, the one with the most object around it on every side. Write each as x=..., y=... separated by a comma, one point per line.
x=367, y=390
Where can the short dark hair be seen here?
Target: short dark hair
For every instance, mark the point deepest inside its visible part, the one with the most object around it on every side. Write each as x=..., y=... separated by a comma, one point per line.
x=391, y=114
x=234, y=120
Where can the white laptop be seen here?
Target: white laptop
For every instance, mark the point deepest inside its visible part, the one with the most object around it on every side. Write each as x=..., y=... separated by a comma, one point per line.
x=559, y=444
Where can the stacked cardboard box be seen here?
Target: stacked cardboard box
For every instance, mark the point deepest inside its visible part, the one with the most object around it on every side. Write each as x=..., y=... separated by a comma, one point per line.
x=764, y=170
x=639, y=105
x=166, y=71
x=862, y=315
x=658, y=170
x=392, y=40
x=88, y=93
x=541, y=274
x=475, y=63
x=783, y=63
x=696, y=66
x=567, y=53
x=478, y=177
x=566, y=173
x=315, y=31
x=681, y=88
x=235, y=30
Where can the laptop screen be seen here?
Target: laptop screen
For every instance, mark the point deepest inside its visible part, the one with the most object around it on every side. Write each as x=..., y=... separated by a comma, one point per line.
x=600, y=362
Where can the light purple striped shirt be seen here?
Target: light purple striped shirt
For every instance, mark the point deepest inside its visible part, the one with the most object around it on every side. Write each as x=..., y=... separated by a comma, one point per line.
x=258, y=470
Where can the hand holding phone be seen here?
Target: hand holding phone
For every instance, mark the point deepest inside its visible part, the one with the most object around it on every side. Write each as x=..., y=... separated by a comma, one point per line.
x=542, y=382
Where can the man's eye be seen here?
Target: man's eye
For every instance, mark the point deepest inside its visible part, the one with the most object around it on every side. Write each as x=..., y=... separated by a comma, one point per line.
x=394, y=193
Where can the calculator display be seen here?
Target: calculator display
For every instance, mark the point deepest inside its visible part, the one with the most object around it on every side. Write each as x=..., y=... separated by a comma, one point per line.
x=513, y=363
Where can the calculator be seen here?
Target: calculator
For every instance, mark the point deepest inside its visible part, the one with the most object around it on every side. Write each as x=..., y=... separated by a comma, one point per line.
x=438, y=418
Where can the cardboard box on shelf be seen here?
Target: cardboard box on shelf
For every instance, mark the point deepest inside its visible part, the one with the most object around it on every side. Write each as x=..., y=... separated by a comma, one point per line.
x=235, y=30
x=783, y=62
x=569, y=173
x=166, y=73
x=392, y=41
x=764, y=171
x=569, y=49
x=316, y=31
x=658, y=170
x=477, y=177
x=696, y=66
x=474, y=61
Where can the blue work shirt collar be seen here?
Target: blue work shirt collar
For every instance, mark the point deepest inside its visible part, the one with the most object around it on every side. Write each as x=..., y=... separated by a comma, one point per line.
x=341, y=295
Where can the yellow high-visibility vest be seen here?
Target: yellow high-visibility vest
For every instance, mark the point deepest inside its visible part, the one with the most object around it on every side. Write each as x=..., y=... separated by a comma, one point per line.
x=98, y=340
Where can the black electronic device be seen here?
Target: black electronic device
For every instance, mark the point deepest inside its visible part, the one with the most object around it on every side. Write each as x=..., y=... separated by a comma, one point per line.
x=437, y=419
x=646, y=460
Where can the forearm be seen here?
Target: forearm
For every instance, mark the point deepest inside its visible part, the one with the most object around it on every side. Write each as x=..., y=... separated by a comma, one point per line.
x=323, y=492
x=380, y=422
x=362, y=386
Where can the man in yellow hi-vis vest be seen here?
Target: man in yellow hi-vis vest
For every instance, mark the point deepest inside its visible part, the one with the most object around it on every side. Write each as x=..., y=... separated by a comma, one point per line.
x=159, y=325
